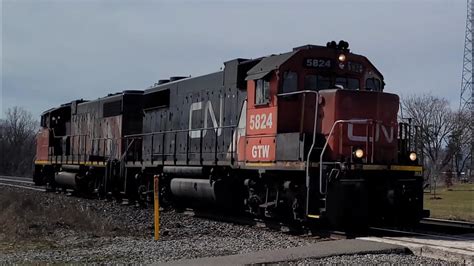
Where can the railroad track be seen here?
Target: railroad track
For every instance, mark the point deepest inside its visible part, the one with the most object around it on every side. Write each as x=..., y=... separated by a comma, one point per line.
x=448, y=229
x=456, y=225
x=426, y=226
x=445, y=229
x=456, y=248
x=19, y=179
x=317, y=231
x=243, y=220
x=20, y=182
x=393, y=232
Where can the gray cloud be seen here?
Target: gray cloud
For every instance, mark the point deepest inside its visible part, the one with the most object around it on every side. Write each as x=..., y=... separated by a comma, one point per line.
x=57, y=51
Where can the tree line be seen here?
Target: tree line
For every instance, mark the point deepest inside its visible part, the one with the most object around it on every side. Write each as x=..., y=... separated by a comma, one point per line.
x=446, y=140
x=17, y=142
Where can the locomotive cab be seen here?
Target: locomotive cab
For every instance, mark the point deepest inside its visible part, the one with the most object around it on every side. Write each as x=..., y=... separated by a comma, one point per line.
x=286, y=101
x=52, y=138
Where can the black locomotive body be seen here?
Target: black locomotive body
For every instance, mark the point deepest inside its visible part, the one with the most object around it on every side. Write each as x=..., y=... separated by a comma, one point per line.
x=298, y=136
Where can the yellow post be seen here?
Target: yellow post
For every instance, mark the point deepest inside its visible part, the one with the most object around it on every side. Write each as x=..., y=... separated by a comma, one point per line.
x=157, y=207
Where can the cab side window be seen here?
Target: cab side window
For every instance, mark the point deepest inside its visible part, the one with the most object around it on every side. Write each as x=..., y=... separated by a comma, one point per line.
x=262, y=91
x=290, y=82
x=373, y=84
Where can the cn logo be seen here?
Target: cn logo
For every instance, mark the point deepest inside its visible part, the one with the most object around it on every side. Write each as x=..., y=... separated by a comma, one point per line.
x=388, y=134
x=208, y=111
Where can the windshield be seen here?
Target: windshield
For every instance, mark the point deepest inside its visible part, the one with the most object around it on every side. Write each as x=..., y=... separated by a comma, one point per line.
x=348, y=83
x=316, y=82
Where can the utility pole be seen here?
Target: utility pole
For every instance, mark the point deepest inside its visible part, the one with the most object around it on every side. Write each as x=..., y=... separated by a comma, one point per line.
x=467, y=88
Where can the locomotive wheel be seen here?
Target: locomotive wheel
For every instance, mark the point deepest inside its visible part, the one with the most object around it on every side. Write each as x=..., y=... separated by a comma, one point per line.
x=142, y=195
x=38, y=175
x=165, y=197
x=99, y=189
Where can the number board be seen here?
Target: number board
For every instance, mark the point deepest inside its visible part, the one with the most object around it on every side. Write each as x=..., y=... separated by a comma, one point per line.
x=261, y=121
x=318, y=63
x=355, y=67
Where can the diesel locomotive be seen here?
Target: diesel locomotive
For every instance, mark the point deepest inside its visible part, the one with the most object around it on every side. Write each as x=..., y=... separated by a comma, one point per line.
x=307, y=134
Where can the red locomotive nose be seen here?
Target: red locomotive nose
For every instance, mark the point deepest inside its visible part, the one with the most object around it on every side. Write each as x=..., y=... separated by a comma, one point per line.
x=376, y=139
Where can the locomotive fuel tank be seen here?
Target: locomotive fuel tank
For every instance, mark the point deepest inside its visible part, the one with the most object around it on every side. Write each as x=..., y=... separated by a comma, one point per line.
x=194, y=189
x=220, y=193
x=66, y=179
x=72, y=177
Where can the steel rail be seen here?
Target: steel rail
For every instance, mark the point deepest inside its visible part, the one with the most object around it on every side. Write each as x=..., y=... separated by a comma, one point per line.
x=424, y=236
x=449, y=237
x=16, y=177
x=447, y=223
x=16, y=181
x=24, y=187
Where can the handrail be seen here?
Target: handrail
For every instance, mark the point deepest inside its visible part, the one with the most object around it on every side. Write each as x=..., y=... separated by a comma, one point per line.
x=176, y=131
x=126, y=151
x=106, y=141
x=315, y=126
x=60, y=137
x=86, y=141
x=352, y=121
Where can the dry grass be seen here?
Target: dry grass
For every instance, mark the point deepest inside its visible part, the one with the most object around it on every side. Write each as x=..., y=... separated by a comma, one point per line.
x=24, y=219
x=455, y=203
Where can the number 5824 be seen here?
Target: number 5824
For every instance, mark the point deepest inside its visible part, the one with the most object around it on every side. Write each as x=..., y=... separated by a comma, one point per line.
x=261, y=121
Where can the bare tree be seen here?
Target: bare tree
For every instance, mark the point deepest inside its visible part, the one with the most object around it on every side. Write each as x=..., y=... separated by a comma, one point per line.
x=17, y=142
x=437, y=123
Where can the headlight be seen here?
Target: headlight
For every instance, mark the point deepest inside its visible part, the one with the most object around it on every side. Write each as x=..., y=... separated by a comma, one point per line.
x=342, y=57
x=412, y=156
x=359, y=153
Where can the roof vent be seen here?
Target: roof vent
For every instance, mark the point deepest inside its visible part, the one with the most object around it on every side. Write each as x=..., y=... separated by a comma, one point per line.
x=306, y=47
x=162, y=81
x=175, y=78
x=132, y=92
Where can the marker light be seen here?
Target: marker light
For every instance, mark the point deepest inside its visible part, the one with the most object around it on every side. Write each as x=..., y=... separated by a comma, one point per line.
x=342, y=57
x=413, y=156
x=359, y=153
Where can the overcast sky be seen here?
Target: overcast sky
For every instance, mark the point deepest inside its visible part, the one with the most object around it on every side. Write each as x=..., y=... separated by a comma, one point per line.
x=57, y=51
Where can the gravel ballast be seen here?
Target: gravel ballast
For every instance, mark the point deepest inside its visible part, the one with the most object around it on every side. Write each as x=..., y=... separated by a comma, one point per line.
x=40, y=227
x=372, y=259
x=50, y=227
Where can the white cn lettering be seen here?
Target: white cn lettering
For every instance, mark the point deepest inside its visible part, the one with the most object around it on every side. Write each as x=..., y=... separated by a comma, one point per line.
x=260, y=151
x=208, y=109
x=194, y=107
x=388, y=136
x=352, y=137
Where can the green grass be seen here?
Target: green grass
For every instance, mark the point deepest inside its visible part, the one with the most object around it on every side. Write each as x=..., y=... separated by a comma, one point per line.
x=455, y=203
